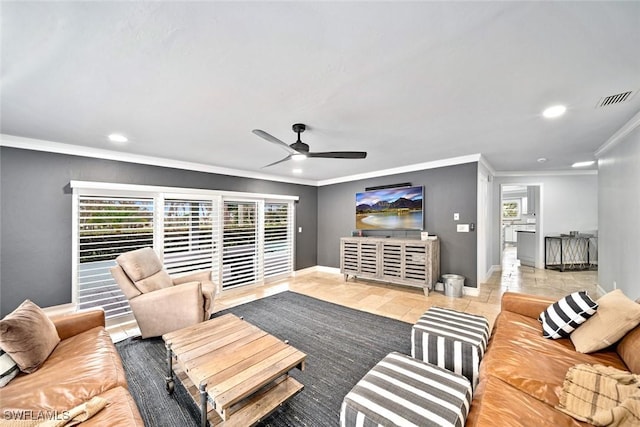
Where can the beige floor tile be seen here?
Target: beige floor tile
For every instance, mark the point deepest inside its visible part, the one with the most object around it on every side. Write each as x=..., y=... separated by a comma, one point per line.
x=406, y=303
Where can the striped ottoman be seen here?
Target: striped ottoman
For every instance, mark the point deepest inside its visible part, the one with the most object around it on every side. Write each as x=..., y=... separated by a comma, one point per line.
x=403, y=391
x=452, y=340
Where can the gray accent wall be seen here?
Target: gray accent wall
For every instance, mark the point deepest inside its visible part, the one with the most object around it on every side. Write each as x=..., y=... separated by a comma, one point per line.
x=446, y=190
x=619, y=213
x=35, y=216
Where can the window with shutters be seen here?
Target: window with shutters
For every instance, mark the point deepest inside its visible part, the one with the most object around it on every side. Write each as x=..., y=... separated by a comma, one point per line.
x=108, y=226
x=191, y=235
x=241, y=263
x=278, y=239
x=241, y=241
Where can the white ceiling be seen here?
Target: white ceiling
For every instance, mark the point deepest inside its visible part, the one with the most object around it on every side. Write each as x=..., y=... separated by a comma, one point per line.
x=408, y=82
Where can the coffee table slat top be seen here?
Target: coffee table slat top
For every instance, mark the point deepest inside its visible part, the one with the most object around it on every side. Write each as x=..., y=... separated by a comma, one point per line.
x=232, y=355
x=238, y=362
x=187, y=335
x=230, y=392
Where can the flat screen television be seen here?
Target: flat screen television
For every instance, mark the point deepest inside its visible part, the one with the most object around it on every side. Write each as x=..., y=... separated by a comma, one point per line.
x=390, y=209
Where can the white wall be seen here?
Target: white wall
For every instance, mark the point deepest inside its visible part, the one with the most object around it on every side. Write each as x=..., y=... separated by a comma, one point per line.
x=619, y=212
x=485, y=226
x=568, y=202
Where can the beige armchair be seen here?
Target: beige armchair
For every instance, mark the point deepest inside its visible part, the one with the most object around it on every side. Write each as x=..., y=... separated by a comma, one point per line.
x=160, y=303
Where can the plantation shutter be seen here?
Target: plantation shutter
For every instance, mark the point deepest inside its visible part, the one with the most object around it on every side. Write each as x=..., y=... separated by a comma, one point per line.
x=191, y=235
x=278, y=239
x=107, y=227
x=240, y=256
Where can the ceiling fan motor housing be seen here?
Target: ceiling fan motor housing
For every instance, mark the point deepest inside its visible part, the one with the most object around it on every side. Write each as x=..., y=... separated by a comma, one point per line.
x=299, y=146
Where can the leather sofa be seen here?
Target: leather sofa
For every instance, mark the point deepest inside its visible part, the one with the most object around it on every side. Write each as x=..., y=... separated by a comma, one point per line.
x=522, y=373
x=84, y=364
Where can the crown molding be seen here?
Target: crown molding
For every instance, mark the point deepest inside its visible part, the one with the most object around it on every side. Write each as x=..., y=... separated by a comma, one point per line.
x=99, y=153
x=483, y=160
x=547, y=173
x=403, y=169
x=618, y=137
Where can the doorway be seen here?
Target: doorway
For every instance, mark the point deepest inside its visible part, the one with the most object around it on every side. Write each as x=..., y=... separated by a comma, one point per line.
x=521, y=224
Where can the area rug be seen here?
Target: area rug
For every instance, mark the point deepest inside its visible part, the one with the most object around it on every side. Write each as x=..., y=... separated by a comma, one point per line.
x=341, y=344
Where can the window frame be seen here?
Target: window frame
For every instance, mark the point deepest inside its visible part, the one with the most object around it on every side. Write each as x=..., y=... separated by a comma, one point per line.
x=160, y=195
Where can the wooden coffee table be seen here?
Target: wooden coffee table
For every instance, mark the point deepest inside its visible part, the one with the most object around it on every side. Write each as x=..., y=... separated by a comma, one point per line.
x=239, y=369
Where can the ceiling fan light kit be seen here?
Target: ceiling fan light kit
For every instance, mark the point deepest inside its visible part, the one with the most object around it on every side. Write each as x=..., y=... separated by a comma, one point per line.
x=300, y=151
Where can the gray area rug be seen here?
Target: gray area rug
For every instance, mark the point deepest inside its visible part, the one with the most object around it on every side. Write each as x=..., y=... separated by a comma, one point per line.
x=341, y=344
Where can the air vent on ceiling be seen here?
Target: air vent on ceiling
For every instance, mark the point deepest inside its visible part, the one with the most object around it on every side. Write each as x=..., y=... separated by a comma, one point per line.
x=615, y=99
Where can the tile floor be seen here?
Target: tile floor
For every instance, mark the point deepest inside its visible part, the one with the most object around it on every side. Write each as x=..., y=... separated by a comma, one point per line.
x=404, y=303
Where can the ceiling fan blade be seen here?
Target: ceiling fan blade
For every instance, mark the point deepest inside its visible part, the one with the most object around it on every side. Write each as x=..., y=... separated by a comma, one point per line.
x=279, y=161
x=264, y=135
x=340, y=155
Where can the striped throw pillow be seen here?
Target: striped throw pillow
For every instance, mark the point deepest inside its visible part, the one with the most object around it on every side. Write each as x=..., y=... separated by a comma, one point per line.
x=564, y=316
x=8, y=368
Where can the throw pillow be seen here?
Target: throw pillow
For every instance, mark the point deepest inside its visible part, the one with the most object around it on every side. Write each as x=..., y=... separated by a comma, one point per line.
x=561, y=318
x=28, y=335
x=8, y=368
x=616, y=316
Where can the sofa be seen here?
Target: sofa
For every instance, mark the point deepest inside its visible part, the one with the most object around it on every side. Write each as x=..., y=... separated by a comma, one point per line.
x=522, y=373
x=83, y=364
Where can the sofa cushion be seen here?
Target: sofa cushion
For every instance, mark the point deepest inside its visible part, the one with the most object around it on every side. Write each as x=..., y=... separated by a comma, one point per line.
x=520, y=356
x=81, y=367
x=564, y=316
x=121, y=411
x=8, y=368
x=28, y=335
x=496, y=403
x=616, y=316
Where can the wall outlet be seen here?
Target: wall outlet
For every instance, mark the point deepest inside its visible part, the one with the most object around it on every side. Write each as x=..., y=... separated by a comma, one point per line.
x=615, y=285
x=463, y=228
x=299, y=229
x=456, y=216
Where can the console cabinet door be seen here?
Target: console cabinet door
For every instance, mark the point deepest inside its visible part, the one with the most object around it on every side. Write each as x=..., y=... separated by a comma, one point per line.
x=369, y=259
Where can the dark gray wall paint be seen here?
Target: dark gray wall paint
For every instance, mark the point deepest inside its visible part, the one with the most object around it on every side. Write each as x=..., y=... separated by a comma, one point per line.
x=446, y=190
x=35, y=216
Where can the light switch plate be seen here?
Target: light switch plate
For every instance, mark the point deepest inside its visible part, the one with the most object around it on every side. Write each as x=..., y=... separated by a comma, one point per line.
x=463, y=228
x=456, y=216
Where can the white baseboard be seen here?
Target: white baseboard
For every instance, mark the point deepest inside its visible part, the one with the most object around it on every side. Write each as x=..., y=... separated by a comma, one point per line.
x=316, y=268
x=325, y=269
x=601, y=290
x=468, y=290
x=494, y=268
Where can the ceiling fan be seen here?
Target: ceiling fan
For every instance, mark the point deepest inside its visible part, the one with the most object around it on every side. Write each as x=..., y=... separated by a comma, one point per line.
x=299, y=150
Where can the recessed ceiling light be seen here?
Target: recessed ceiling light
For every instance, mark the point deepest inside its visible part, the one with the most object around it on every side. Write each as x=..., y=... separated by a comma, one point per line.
x=298, y=157
x=555, y=111
x=583, y=164
x=542, y=160
x=116, y=137
x=297, y=171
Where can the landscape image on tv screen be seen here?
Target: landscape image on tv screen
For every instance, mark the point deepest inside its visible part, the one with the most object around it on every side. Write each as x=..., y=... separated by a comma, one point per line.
x=390, y=209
